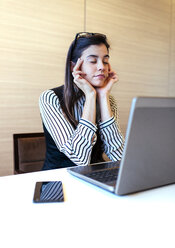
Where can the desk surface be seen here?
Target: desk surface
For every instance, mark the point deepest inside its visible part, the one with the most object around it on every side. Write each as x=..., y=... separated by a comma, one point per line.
x=89, y=217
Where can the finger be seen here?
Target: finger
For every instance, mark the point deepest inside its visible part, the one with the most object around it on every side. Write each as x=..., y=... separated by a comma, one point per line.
x=78, y=77
x=79, y=81
x=112, y=74
x=79, y=73
x=78, y=65
x=115, y=77
x=109, y=67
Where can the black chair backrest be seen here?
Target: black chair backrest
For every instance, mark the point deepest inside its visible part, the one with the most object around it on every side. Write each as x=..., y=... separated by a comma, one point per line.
x=29, y=152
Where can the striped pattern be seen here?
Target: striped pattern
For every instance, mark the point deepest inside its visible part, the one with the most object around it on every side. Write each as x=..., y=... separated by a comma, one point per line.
x=77, y=143
x=52, y=191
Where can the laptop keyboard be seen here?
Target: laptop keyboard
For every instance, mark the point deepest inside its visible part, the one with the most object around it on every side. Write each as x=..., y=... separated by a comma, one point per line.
x=104, y=176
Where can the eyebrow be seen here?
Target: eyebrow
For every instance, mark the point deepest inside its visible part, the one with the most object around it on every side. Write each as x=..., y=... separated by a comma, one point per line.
x=95, y=56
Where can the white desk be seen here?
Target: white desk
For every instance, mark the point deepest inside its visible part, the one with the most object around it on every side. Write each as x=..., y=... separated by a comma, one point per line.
x=89, y=217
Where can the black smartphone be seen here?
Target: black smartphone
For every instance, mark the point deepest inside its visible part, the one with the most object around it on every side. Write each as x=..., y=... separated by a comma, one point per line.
x=51, y=191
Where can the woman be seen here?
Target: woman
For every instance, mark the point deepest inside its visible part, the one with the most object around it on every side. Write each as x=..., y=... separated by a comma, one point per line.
x=80, y=118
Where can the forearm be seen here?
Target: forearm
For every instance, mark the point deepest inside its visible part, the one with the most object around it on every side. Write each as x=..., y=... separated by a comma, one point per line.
x=105, y=108
x=79, y=145
x=112, y=138
x=89, y=110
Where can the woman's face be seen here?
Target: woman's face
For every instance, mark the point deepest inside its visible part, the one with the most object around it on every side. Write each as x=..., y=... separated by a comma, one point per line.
x=95, y=64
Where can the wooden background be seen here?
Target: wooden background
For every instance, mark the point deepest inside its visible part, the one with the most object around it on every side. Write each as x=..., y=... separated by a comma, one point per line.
x=35, y=36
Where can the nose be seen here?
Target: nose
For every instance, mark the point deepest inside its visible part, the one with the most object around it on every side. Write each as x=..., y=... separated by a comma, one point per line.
x=100, y=65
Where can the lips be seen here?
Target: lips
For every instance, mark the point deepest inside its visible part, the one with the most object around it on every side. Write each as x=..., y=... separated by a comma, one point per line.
x=100, y=76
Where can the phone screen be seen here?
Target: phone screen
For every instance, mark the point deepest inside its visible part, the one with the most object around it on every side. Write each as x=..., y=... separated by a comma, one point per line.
x=51, y=191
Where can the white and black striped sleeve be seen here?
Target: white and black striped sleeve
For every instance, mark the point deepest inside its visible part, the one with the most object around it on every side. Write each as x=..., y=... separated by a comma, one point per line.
x=112, y=138
x=77, y=143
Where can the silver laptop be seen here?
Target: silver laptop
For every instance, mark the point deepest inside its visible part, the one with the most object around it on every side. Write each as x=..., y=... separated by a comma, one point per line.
x=148, y=159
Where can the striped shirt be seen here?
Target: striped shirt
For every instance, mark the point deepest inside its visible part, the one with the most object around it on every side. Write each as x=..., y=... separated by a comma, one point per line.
x=77, y=144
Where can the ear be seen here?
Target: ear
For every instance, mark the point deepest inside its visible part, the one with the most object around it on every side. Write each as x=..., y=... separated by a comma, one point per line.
x=72, y=66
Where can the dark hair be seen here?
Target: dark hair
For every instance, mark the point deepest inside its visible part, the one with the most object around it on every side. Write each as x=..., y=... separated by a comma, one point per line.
x=71, y=93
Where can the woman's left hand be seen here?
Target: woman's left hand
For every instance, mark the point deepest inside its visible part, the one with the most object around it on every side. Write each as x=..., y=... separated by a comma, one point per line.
x=110, y=81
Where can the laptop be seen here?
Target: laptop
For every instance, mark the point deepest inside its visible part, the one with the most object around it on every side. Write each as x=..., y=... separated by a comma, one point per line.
x=148, y=159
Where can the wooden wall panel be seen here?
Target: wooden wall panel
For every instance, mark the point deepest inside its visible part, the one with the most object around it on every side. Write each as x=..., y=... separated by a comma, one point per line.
x=172, y=53
x=139, y=35
x=35, y=36
x=34, y=39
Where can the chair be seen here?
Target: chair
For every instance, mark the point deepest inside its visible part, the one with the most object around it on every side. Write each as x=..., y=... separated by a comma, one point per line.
x=29, y=152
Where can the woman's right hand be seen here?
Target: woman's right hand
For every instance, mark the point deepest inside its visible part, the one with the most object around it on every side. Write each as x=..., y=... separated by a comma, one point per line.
x=89, y=109
x=79, y=79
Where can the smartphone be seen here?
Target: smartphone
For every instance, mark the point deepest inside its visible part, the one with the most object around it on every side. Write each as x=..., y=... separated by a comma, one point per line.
x=50, y=191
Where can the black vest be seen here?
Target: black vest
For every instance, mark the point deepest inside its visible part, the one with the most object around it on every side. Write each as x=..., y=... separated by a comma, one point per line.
x=56, y=159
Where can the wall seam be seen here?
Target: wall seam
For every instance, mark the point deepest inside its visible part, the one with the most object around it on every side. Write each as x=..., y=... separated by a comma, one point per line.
x=170, y=48
x=84, y=16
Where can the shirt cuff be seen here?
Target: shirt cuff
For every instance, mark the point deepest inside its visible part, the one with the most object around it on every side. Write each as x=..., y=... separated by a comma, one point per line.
x=88, y=124
x=107, y=123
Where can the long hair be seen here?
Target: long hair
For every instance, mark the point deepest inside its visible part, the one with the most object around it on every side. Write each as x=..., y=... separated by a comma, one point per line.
x=71, y=92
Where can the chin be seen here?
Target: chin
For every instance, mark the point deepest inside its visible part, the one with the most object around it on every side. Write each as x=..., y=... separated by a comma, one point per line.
x=98, y=84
